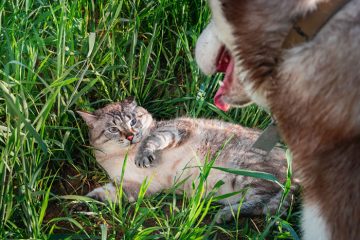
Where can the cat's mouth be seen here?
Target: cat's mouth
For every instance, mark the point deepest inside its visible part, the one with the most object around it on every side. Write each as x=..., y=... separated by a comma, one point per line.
x=134, y=138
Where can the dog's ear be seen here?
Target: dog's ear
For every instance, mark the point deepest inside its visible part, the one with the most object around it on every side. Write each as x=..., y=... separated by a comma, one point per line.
x=89, y=118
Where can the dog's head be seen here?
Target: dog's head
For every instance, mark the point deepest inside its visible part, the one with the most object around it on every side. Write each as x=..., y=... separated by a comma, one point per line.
x=244, y=40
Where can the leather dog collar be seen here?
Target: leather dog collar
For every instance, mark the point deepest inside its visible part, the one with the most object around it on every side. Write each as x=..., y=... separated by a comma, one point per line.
x=306, y=28
x=267, y=140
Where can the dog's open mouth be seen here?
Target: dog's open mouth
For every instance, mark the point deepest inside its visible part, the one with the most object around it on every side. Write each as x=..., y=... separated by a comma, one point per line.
x=225, y=64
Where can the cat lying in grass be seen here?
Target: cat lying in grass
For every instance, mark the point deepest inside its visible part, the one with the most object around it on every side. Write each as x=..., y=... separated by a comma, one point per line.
x=175, y=149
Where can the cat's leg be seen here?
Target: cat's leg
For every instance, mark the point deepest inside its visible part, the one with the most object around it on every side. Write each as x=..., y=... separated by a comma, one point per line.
x=104, y=193
x=109, y=192
x=164, y=137
x=247, y=209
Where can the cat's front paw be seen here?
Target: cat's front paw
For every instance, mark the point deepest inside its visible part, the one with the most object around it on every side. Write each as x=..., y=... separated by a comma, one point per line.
x=145, y=158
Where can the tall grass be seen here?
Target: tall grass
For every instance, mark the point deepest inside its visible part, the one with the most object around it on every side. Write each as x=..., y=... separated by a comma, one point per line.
x=60, y=56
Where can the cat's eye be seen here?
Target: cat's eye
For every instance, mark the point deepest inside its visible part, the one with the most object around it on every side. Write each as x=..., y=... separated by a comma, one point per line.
x=133, y=122
x=113, y=129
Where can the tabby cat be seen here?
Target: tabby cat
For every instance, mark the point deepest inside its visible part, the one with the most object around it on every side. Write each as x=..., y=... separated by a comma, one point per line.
x=175, y=149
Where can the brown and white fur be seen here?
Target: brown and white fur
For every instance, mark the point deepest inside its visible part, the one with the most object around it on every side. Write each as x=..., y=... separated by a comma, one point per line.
x=313, y=91
x=176, y=148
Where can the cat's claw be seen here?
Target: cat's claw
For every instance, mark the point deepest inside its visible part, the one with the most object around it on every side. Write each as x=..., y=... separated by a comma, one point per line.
x=145, y=159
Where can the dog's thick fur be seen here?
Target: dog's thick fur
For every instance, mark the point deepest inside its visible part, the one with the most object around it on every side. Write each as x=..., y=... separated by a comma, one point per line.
x=313, y=90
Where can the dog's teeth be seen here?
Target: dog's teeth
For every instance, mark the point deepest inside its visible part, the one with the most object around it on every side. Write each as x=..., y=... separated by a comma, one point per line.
x=221, y=83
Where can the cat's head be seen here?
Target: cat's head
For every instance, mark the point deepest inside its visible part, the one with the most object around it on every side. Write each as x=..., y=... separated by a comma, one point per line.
x=117, y=124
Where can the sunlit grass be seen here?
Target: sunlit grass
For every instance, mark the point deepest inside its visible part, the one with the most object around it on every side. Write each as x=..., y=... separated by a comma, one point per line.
x=60, y=56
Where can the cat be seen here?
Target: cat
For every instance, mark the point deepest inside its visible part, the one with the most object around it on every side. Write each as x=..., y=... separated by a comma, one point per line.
x=175, y=148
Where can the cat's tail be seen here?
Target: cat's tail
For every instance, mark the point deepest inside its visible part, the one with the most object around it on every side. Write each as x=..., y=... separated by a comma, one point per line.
x=278, y=204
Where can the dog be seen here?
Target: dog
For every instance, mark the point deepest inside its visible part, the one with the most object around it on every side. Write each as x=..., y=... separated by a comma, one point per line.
x=312, y=89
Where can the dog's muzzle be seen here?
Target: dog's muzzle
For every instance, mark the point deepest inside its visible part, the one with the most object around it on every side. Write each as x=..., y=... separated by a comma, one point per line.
x=207, y=50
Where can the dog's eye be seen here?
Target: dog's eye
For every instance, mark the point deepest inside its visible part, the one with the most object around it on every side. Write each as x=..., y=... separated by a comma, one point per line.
x=113, y=129
x=133, y=122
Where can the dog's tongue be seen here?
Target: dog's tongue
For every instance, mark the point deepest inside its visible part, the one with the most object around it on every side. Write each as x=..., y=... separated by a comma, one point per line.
x=225, y=64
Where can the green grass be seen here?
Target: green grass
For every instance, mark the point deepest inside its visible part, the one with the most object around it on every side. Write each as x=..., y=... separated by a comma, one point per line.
x=60, y=56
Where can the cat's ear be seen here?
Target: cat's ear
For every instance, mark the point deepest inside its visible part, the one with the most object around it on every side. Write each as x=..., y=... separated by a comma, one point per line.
x=131, y=101
x=88, y=118
x=140, y=111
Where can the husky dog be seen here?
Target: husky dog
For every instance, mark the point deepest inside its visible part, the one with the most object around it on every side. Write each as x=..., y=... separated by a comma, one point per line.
x=312, y=89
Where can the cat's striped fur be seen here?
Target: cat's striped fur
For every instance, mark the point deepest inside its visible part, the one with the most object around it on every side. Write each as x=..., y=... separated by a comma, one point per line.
x=175, y=149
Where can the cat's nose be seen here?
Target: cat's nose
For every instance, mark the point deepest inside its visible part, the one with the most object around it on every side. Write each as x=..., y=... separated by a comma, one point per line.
x=130, y=137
